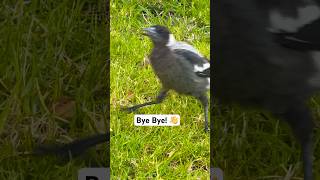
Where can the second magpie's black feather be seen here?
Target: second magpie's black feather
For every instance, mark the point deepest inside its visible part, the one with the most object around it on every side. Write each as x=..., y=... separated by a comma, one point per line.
x=307, y=38
x=74, y=148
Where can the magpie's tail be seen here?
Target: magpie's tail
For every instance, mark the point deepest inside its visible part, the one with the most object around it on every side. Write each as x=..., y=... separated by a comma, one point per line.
x=74, y=148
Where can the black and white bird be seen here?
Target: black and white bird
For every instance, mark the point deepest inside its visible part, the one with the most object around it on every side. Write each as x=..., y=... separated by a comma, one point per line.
x=179, y=66
x=204, y=73
x=267, y=56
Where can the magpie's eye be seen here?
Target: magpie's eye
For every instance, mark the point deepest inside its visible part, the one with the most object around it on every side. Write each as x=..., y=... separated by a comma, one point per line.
x=160, y=31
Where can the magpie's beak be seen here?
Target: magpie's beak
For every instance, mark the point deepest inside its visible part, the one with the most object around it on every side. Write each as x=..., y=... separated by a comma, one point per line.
x=150, y=31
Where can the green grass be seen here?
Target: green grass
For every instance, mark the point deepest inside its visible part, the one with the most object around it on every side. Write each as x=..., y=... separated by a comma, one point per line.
x=155, y=152
x=59, y=49
x=249, y=144
x=50, y=50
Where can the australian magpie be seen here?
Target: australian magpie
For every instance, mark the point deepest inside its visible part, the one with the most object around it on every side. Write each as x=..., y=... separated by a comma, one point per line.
x=184, y=69
x=179, y=67
x=266, y=55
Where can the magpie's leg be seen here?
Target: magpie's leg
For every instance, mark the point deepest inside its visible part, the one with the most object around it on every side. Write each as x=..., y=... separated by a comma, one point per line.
x=205, y=103
x=162, y=95
x=301, y=122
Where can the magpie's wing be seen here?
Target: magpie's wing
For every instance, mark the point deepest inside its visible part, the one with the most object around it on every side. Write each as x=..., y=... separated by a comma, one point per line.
x=180, y=45
x=201, y=65
x=305, y=39
x=204, y=73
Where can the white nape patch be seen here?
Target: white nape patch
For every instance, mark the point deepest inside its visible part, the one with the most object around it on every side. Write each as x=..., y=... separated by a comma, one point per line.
x=315, y=80
x=171, y=41
x=173, y=44
x=197, y=68
x=208, y=86
x=305, y=15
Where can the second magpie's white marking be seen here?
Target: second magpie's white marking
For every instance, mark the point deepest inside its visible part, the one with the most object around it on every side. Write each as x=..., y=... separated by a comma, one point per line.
x=305, y=15
x=197, y=68
x=173, y=44
x=208, y=86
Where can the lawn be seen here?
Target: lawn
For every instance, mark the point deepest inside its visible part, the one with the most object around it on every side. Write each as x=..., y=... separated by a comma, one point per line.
x=155, y=152
x=251, y=144
x=53, y=83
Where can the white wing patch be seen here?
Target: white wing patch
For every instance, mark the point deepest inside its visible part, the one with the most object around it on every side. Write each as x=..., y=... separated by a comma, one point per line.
x=173, y=44
x=306, y=15
x=197, y=68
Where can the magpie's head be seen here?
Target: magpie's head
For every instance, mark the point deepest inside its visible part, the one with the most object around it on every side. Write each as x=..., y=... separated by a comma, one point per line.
x=158, y=34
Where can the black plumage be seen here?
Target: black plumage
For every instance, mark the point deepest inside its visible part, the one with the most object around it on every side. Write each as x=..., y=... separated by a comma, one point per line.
x=72, y=149
x=307, y=38
x=176, y=64
x=258, y=63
